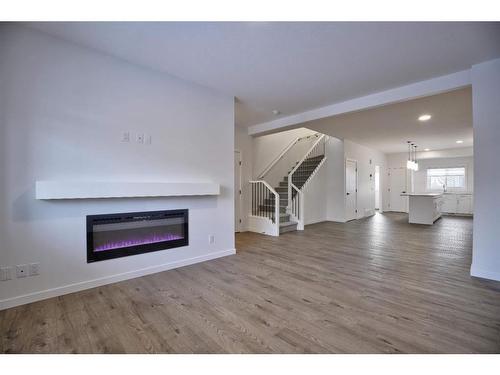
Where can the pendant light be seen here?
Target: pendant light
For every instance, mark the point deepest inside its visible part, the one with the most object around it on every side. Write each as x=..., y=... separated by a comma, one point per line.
x=409, y=162
x=412, y=163
x=415, y=163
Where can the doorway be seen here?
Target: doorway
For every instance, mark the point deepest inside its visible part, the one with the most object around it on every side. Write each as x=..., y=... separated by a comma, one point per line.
x=397, y=186
x=237, y=191
x=351, y=189
x=377, y=188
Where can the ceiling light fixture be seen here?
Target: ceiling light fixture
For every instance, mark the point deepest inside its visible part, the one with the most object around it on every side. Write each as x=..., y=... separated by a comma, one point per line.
x=460, y=141
x=427, y=149
x=424, y=117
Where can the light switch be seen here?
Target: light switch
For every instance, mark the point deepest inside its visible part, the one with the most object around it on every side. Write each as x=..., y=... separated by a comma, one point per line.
x=34, y=269
x=5, y=273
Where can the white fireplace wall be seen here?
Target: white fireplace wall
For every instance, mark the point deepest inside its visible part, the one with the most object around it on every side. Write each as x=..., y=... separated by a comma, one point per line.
x=63, y=112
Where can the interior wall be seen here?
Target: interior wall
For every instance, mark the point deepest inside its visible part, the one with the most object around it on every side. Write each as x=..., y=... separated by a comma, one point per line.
x=367, y=158
x=63, y=113
x=486, y=115
x=266, y=148
x=335, y=181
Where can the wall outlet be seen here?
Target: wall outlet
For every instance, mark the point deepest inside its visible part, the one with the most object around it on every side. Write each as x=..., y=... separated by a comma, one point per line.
x=34, y=269
x=211, y=239
x=5, y=273
x=140, y=138
x=21, y=270
x=126, y=137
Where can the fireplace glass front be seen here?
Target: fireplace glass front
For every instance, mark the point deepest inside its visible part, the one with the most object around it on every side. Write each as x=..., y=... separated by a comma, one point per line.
x=118, y=235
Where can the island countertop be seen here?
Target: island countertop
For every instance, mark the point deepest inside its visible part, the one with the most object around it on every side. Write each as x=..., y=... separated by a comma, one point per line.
x=434, y=195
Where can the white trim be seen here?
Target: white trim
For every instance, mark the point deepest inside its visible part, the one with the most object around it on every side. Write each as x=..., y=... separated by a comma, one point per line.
x=420, y=89
x=71, y=288
x=484, y=274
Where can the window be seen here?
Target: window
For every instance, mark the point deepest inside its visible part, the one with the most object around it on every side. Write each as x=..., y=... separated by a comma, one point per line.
x=449, y=179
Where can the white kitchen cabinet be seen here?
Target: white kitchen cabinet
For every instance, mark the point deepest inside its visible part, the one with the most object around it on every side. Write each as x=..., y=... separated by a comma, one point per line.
x=464, y=204
x=457, y=204
x=424, y=208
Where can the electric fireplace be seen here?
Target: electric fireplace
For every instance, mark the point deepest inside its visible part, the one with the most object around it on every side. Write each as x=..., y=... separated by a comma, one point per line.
x=119, y=235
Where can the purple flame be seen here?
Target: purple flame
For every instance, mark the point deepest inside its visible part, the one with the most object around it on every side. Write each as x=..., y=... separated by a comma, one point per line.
x=139, y=241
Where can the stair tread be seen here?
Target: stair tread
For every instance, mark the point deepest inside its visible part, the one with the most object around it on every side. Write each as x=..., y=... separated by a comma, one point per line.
x=304, y=172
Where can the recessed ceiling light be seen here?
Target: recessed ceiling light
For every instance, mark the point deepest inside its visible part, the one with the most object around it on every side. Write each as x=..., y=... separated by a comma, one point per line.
x=460, y=141
x=427, y=149
x=276, y=112
x=424, y=118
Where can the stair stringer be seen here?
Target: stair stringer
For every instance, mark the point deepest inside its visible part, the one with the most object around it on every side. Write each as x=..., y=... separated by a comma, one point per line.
x=305, y=198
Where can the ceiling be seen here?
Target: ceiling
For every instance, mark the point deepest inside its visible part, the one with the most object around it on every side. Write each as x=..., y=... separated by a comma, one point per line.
x=388, y=128
x=291, y=67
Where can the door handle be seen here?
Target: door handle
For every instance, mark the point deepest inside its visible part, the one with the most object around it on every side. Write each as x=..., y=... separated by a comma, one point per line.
x=348, y=193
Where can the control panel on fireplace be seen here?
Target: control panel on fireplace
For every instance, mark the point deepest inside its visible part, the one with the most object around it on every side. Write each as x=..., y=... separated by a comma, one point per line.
x=119, y=235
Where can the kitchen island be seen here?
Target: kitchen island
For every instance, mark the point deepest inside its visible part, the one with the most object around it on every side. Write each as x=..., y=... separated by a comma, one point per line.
x=424, y=208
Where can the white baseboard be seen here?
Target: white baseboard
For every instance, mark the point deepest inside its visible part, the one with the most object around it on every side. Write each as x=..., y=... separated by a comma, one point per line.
x=484, y=274
x=315, y=221
x=71, y=288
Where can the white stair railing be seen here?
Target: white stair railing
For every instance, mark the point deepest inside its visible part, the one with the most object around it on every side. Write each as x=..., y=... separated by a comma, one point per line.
x=300, y=176
x=266, y=204
x=287, y=159
x=278, y=158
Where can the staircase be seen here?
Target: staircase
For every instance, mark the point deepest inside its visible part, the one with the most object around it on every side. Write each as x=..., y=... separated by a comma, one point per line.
x=307, y=167
x=281, y=209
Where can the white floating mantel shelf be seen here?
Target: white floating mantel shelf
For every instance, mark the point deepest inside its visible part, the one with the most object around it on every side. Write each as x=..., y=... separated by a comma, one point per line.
x=103, y=189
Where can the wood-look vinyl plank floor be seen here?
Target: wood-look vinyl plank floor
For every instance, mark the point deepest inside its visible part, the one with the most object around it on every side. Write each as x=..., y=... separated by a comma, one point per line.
x=376, y=285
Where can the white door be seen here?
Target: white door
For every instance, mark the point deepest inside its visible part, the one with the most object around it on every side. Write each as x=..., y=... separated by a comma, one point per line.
x=237, y=191
x=351, y=189
x=377, y=187
x=397, y=186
